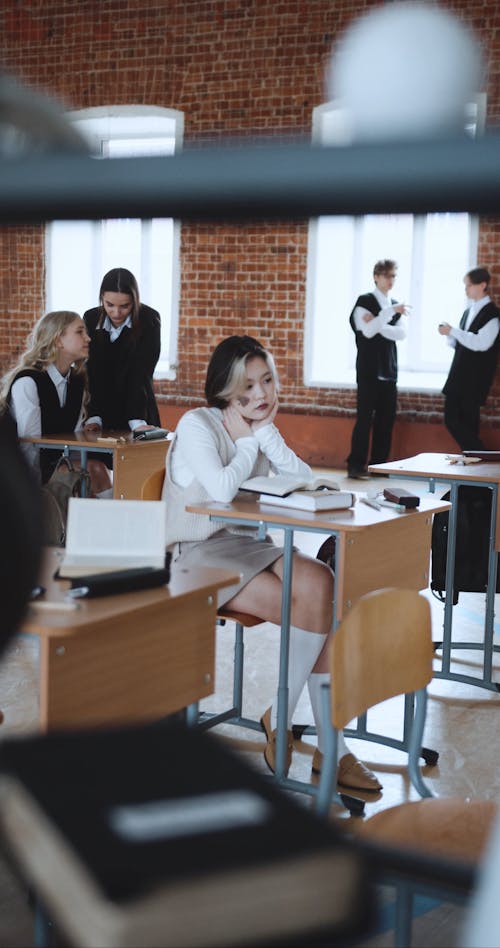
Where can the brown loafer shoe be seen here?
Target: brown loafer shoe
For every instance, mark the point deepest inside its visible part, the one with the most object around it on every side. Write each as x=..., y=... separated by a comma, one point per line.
x=270, y=748
x=351, y=772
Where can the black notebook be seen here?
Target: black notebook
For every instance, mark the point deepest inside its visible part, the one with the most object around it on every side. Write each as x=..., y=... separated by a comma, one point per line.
x=149, y=827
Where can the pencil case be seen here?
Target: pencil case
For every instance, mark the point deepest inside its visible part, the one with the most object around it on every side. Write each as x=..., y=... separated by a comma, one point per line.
x=119, y=581
x=153, y=434
x=398, y=495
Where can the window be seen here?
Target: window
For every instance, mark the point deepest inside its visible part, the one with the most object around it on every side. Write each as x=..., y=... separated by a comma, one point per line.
x=433, y=253
x=79, y=253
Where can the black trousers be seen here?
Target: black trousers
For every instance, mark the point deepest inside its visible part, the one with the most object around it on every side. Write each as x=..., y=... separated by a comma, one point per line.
x=462, y=419
x=376, y=413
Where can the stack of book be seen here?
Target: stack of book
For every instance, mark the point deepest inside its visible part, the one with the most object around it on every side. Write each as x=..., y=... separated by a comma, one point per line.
x=285, y=490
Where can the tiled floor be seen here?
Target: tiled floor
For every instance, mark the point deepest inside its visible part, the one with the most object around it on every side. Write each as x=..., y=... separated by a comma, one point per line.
x=462, y=724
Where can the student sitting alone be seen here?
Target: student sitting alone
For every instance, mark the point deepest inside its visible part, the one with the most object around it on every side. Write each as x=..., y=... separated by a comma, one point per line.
x=214, y=450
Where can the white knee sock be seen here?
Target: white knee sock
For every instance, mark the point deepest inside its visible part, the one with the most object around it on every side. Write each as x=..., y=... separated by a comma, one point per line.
x=305, y=648
x=314, y=685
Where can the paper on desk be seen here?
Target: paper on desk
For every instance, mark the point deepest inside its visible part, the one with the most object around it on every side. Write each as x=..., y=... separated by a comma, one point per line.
x=460, y=459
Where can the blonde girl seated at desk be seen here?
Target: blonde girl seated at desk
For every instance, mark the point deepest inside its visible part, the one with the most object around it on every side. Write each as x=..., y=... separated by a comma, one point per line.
x=213, y=451
x=46, y=391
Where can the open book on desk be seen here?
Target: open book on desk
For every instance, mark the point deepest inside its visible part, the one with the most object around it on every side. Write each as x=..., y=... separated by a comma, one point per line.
x=282, y=484
x=108, y=535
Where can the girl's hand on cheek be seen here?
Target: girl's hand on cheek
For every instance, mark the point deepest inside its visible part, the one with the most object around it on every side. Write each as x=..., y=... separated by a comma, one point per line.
x=235, y=425
x=268, y=420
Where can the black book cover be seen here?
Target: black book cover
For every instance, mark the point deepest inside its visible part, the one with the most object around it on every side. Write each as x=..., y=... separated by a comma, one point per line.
x=161, y=836
x=83, y=780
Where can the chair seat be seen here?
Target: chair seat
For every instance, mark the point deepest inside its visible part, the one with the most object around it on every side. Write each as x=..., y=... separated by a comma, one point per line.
x=244, y=618
x=452, y=827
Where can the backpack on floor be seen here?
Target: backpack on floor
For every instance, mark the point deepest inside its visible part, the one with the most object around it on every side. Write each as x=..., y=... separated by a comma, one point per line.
x=472, y=542
x=326, y=552
x=64, y=482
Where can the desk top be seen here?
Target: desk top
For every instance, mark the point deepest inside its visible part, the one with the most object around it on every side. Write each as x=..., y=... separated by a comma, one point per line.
x=62, y=620
x=93, y=439
x=359, y=517
x=439, y=466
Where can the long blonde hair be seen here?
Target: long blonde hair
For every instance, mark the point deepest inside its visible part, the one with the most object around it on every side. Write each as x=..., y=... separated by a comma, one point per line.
x=41, y=349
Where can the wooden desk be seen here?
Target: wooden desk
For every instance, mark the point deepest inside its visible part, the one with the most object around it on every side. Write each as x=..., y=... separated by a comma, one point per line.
x=436, y=468
x=128, y=658
x=132, y=460
x=375, y=549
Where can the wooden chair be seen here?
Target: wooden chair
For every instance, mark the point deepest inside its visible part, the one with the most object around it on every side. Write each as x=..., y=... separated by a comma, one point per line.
x=429, y=847
x=151, y=490
x=383, y=648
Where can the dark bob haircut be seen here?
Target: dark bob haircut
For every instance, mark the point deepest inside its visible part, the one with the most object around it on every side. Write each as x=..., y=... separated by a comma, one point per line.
x=226, y=369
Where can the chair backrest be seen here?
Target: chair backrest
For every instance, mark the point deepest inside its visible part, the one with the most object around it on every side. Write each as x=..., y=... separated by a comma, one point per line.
x=382, y=648
x=152, y=487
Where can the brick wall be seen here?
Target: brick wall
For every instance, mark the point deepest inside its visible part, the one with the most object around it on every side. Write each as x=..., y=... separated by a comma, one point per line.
x=237, y=68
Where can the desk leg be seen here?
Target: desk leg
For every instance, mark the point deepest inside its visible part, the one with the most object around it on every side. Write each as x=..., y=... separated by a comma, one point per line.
x=83, y=462
x=487, y=646
x=286, y=602
x=491, y=590
x=42, y=935
x=450, y=570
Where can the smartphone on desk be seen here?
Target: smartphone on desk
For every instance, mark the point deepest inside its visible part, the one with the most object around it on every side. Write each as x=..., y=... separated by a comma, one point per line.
x=152, y=434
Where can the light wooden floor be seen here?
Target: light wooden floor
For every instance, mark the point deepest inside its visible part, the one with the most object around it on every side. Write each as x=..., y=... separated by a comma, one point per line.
x=462, y=724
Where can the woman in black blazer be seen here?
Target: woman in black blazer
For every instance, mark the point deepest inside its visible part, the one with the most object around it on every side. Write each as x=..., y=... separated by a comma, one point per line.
x=124, y=349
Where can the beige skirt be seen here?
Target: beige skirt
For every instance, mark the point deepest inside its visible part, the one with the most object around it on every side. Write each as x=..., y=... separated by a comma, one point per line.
x=232, y=551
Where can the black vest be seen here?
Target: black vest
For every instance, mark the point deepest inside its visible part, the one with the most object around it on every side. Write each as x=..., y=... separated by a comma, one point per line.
x=471, y=371
x=377, y=358
x=54, y=419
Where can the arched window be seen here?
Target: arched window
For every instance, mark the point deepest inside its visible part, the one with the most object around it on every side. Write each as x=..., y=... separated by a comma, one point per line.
x=79, y=253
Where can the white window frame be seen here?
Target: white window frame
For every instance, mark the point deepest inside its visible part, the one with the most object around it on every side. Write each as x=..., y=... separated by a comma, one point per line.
x=150, y=126
x=340, y=254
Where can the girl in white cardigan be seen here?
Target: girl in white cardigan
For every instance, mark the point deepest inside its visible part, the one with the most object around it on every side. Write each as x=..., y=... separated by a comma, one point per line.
x=214, y=450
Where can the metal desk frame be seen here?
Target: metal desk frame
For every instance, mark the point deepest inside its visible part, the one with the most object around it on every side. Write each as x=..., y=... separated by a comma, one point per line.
x=268, y=521
x=487, y=647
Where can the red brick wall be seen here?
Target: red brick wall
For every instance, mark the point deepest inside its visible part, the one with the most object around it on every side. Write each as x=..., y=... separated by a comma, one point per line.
x=236, y=68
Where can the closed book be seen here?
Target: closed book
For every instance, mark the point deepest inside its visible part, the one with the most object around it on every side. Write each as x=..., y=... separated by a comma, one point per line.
x=119, y=581
x=163, y=837
x=312, y=499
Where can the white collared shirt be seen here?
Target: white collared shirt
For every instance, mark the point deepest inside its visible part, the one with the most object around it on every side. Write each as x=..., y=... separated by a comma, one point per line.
x=114, y=331
x=60, y=382
x=479, y=341
x=380, y=324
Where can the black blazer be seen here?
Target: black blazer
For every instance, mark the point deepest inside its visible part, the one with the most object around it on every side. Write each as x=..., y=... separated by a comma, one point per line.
x=121, y=373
